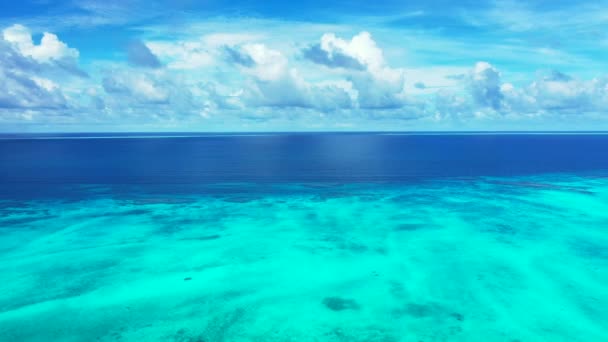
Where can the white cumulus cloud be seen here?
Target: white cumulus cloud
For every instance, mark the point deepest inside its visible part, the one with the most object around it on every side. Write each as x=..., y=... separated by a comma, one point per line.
x=50, y=47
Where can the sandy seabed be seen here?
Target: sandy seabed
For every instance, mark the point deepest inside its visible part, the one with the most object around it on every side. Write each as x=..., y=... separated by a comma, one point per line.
x=488, y=259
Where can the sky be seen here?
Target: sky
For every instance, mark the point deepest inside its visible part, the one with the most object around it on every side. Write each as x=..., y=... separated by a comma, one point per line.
x=186, y=65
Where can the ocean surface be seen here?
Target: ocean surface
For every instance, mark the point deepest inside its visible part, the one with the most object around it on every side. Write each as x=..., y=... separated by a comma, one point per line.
x=379, y=237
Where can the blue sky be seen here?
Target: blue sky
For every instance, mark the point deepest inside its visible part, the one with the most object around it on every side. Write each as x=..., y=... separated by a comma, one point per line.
x=188, y=65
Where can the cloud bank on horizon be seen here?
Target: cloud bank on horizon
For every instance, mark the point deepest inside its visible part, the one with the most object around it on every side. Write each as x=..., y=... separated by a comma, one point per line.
x=160, y=66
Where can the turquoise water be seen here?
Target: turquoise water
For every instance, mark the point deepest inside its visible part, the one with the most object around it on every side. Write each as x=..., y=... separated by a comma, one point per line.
x=480, y=259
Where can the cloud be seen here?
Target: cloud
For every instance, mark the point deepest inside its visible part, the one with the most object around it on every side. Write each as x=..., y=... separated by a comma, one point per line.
x=156, y=96
x=482, y=95
x=265, y=76
x=51, y=54
x=551, y=94
x=561, y=95
x=275, y=84
x=268, y=64
x=140, y=86
x=246, y=78
x=234, y=55
x=377, y=85
x=254, y=76
x=555, y=75
x=292, y=91
x=317, y=54
x=12, y=59
x=140, y=55
x=359, y=53
x=50, y=47
x=32, y=76
x=182, y=55
x=556, y=93
x=484, y=83
x=378, y=91
x=20, y=91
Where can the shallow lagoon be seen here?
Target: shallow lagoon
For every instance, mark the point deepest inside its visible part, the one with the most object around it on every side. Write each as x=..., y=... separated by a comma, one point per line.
x=464, y=259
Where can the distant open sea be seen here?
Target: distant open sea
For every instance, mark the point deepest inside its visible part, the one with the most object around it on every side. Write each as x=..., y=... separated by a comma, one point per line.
x=379, y=237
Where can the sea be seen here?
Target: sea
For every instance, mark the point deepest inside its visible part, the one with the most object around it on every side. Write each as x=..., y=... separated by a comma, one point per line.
x=379, y=237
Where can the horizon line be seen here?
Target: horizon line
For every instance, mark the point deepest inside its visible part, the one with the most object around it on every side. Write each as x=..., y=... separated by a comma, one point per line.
x=202, y=134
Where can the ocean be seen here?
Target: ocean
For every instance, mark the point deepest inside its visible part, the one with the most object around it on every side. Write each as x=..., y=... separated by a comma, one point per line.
x=375, y=237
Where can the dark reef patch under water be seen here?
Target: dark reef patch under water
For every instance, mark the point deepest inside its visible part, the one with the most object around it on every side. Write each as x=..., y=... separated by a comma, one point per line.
x=339, y=304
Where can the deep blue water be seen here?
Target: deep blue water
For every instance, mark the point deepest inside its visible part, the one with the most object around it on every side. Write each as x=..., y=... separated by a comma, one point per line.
x=314, y=157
